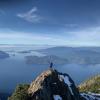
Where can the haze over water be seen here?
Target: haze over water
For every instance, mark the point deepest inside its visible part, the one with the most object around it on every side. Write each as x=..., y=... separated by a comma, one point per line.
x=14, y=70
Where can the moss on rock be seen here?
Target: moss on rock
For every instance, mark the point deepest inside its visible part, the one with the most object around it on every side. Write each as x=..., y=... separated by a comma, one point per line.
x=20, y=93
x=91, y=85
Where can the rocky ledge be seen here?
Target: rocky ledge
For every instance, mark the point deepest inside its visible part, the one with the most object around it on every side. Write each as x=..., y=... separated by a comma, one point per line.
x=51, y=85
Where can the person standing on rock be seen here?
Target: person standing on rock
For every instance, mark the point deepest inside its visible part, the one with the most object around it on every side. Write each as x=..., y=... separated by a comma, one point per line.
x=51, y=65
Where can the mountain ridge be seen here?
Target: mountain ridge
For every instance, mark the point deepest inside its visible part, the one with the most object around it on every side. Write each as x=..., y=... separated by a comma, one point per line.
x=91, y=85
x=51, y=85
x=75, y=54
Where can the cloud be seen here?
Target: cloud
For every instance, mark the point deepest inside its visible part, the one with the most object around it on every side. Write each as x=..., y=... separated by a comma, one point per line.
x=85, y=37
x=9, y=36
x=13, y=37
x=30, y=16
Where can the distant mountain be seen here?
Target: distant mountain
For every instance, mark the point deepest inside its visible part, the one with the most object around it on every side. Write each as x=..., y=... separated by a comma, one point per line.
x=45, y=59
x=75, y=54
x=91, y=85
x=51, y=85
x=3, y=55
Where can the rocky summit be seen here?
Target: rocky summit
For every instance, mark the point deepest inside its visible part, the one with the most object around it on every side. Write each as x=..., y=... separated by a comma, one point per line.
x=51, y=85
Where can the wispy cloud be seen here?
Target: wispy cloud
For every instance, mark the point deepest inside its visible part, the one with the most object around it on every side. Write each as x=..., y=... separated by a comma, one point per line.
x=13, y=37
x=85, y=37
x=30, y=16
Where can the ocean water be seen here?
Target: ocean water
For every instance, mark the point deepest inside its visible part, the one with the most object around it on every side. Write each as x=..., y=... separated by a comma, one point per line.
x=14, y=70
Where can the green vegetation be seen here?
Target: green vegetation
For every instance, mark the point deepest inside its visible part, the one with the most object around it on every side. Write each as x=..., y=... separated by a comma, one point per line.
x=20, y=93
x=91, y=85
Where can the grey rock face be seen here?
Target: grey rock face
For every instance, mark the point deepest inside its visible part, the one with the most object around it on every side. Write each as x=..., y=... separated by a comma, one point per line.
x=52, y=83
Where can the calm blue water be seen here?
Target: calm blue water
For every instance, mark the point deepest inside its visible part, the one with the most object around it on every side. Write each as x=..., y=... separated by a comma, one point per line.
x=14, y=70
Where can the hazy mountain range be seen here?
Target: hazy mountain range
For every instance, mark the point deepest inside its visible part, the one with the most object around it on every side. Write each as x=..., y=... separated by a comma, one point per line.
x=45, y=60
x=78, y=55
x=62, y=55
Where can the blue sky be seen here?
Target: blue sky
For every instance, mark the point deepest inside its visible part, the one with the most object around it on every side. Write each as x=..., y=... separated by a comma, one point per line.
x=52, y=22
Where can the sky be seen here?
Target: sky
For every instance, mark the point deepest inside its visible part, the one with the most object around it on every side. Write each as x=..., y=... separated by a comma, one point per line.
x=50, y=22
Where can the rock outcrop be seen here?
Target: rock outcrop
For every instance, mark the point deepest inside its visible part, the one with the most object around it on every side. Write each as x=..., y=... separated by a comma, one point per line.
x=52, y=84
